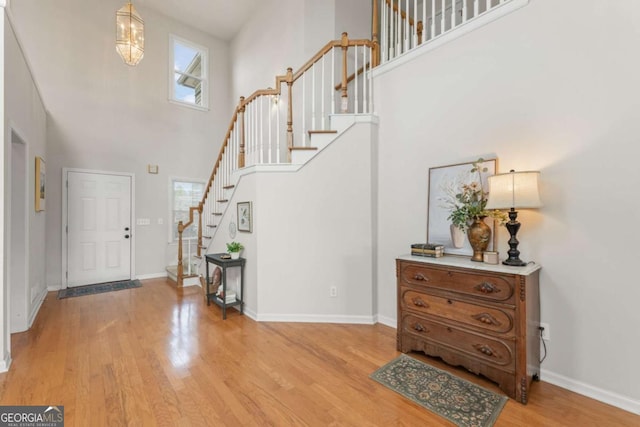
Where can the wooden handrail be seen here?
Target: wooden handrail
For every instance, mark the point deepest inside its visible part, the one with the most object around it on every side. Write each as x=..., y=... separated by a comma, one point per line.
x=325, y=49
x=354, y=75
x=403, y=14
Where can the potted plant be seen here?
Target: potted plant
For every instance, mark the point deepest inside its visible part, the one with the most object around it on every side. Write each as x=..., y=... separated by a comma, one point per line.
x=234, y=249
x=467, y=205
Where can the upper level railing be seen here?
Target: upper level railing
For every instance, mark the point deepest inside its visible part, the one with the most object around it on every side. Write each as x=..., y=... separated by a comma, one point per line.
x=270, y=123
x=407, y=24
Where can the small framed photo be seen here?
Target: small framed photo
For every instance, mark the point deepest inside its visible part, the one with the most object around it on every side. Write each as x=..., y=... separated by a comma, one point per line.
x=40, y=184
x=245, y=218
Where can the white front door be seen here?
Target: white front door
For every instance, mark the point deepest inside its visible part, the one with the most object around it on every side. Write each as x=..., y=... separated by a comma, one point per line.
x=98, y=228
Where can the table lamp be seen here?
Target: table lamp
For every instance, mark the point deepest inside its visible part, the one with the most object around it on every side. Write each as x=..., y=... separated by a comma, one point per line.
x=510, y=191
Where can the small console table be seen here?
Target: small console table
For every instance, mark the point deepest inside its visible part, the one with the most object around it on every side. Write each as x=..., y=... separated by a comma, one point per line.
x=224, y=264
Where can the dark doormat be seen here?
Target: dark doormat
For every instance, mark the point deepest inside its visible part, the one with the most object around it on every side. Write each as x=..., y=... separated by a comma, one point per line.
x=98, y=288
x=461, y=402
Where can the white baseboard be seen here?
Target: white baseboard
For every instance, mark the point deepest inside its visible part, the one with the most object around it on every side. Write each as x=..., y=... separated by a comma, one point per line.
x=53, y=288
x=617, y=400
x=5, y=363
x=387, y=321
x=321, y=318
x=151, y=276
x=36, y=306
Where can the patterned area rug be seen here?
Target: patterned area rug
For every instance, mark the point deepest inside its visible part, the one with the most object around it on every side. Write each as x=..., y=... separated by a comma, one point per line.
x=461, y=402
x=98, y=289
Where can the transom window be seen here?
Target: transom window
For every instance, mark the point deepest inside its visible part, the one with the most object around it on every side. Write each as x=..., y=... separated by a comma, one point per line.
x=184, y=194
x=188, y=73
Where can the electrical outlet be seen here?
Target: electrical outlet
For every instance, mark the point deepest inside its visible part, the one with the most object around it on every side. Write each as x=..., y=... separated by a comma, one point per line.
x=333, y=291
x=546, y=332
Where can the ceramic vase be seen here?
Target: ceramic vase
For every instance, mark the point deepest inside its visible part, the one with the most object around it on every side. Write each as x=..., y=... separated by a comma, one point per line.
x=457, y=236
x=479, y=235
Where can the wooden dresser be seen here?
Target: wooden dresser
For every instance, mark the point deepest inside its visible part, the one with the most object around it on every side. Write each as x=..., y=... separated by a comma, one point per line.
x=481, y=316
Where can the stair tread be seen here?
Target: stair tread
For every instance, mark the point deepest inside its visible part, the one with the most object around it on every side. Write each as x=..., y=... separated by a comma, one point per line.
x=304, y=148
x=223, y=201
x=211, y=225
x=311, y=132
x=207, y=237
x=217, y=213
x=228, y=187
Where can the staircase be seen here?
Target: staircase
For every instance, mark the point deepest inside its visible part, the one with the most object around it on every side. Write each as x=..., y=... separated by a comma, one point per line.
x=327, y=105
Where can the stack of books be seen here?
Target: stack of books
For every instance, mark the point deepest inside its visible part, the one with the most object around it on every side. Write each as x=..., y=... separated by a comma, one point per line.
x=433, y=250
x=229, y=299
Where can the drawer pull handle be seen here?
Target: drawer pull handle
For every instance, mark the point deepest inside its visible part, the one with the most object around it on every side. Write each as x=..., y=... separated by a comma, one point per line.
x=419, y=302
x=487, y=288
x=418, y=327
x=484, y=349
x=449, y=301
x=420, y=277
x=486, y=318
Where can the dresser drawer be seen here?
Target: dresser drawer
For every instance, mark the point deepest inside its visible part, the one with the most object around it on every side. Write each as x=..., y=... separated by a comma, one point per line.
x=491, y=350
x=499, y=320
x=492, y=287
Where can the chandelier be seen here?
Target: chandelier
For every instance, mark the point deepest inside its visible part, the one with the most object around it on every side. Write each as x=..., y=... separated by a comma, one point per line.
x=129, y=34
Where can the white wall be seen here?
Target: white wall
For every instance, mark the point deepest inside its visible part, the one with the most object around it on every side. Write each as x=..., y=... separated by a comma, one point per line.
x=287, y=33
x=25, y=115
x=313, y=229
x=105, y=115
x=552, y=87
x=269, y=42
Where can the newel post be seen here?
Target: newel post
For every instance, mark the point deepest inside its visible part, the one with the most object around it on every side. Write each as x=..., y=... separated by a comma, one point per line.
x=290, y=111
x=241, y=117
x=180, y=268
x=344, y=43
x=375, y=57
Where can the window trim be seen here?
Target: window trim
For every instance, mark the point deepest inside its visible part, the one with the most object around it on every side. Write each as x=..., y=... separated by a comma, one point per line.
x=172, y=179
x=204, y=52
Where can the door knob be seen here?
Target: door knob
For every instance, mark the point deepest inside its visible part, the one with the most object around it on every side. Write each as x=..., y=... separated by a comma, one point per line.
x=126, y=236
x=126, y=229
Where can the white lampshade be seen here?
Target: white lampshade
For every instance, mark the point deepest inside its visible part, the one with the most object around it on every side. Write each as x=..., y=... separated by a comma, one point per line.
x=514, y=190
x=129, y=35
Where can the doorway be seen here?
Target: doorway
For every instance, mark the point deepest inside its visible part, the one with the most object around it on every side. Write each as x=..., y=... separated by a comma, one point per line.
x=17, y=255
x=97, y=227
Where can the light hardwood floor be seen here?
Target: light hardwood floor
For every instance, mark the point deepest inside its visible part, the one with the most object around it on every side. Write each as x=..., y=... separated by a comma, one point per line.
x=159, y=356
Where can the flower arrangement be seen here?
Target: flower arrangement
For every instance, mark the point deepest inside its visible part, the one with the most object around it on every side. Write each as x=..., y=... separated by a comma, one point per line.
x=468, y=201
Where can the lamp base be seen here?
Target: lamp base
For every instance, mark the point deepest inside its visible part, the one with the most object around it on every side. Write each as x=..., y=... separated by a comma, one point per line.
x=514, y=262
x=514, y=254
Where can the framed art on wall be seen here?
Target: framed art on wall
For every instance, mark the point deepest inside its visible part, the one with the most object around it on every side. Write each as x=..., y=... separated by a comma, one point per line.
x=445, y=183
x=40, y=185
x=245, y=219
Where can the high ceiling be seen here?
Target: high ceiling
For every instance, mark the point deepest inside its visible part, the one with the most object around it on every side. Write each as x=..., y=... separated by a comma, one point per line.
x=220, y=18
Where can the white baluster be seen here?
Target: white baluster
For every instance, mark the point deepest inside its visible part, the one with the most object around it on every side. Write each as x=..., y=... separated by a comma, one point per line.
x=303, y=133
x=322, y=108
x=313, y=97
x=365, y=80
x=355, y=81
x=442, y=17
x=271, y=107
x=278, y=134
x=415, y=23
x=333, y=80
x=261, y=129
x=476, y=7
x=464, y=11
x=433, y=18
x=453, y=14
